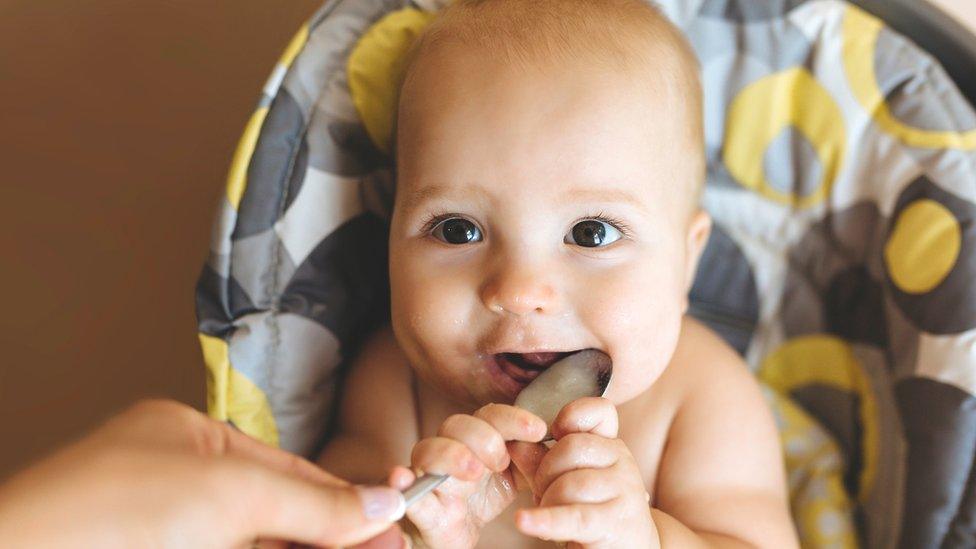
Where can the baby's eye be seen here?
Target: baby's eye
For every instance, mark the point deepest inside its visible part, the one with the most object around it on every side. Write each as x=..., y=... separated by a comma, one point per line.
x=592, y=233
x=457, y=230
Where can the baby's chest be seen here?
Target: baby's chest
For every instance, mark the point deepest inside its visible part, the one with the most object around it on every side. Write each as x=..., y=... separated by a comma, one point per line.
x=501, y=532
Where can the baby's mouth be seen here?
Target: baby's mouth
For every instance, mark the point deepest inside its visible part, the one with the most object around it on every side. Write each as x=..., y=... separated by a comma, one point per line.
x=524, y=367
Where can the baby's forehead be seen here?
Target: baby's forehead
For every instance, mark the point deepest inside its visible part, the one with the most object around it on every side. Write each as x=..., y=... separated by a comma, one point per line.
x=505, y=58
x=619, y=33
x=568, y=117
x=612, y=41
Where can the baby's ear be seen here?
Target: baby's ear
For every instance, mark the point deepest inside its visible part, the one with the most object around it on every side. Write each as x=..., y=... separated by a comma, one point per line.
x=698, y=230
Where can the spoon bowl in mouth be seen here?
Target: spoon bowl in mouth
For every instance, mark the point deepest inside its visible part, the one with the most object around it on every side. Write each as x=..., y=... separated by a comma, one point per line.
x=582, y=374
x=586, y=373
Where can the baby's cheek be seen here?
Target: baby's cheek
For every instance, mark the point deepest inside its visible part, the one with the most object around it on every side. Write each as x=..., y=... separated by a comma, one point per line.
x=639, y=323
x=429, y=311
x=415, y=307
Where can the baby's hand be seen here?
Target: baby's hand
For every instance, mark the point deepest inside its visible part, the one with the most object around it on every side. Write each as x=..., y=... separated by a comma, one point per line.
x=470, y=448
x=588, y=486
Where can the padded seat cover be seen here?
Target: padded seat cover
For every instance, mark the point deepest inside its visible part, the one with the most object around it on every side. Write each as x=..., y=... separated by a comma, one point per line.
x=842, y=181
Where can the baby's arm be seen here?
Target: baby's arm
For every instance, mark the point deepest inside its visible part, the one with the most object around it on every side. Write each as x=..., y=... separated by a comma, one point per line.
x=721, y=481
x=377, y=418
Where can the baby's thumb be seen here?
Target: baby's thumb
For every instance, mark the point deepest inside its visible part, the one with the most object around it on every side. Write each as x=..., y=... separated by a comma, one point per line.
x=526, y=457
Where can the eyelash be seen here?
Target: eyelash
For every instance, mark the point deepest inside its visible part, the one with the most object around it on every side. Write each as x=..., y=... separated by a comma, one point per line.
x=434, y=219
x=618, y=224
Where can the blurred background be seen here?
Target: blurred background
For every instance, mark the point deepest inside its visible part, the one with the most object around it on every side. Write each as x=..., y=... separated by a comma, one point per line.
x=963, y=10
x=120, y=121
x=121, y=117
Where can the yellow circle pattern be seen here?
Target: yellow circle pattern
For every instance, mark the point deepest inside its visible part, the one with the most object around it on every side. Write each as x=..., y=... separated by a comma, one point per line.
x=828, y=360
x=860, y=34
x=821, y=508
x=923, y=247
x=762, y=110
x=375, y=70
x=231, y=396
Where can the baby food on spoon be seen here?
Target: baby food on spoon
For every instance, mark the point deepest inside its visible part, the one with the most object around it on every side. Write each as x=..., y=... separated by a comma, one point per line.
x=581, y=374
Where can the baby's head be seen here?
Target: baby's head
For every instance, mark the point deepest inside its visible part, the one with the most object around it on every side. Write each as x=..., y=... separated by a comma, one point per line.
x=549, y=165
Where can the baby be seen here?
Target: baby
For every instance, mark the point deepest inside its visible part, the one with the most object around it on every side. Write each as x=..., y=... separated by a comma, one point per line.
x=549, y=165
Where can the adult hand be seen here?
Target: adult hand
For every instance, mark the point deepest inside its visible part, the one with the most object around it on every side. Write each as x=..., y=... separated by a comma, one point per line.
x=162, y=474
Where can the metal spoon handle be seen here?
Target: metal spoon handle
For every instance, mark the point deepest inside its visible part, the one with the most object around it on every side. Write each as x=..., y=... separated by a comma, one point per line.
x=421, y=487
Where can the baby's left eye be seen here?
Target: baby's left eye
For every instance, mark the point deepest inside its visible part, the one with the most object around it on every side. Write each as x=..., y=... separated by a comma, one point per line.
x=592, y=233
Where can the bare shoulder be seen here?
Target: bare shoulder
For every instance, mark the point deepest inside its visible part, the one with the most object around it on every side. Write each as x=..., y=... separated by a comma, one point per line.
x=377, y=416
x=703, y=359
x=381, y=356
x=722, y=468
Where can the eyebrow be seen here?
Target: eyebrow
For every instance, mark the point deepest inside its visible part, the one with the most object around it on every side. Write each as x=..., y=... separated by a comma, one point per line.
x=605, y=196
x=434, y=192
x=429, y=193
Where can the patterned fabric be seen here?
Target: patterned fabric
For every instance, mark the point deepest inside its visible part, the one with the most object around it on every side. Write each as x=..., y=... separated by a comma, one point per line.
x=822, y=509
x=842, y=180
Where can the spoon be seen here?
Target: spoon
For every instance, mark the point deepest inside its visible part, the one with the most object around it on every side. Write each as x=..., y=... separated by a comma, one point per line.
x=583, y=374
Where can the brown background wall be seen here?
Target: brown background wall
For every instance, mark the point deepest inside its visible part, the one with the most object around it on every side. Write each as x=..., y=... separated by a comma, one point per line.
x=119, y=119
x=118, y=123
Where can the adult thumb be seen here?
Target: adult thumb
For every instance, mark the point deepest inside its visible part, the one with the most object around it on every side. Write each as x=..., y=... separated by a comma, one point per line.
x=296, y=510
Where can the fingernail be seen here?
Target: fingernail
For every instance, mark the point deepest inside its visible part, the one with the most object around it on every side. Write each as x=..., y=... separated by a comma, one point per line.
x=381, y=503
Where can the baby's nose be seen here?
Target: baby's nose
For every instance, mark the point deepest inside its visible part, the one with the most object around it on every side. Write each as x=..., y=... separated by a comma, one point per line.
x=520, y=292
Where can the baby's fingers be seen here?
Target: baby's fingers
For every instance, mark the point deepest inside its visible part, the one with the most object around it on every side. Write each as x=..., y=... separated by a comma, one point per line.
x=400, y=478
x=580, y=486
x=582, y=523
x=587, y=415
x=513, y=423
x=576, y=451
x=444, y=456
x=480, y=437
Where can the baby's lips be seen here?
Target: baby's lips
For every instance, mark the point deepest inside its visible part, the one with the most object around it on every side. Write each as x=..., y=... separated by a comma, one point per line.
x=541, y=358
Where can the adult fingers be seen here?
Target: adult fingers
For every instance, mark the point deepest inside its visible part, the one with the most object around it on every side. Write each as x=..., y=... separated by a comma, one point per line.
x=277, y=505
x=239, y=445
x=595, y=415
x=165, y=422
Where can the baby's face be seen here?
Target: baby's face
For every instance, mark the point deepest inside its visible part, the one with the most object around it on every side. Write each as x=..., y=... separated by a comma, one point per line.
x=536, y=213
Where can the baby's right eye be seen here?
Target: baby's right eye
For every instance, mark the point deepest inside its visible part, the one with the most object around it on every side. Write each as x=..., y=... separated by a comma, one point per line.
x=457, y=230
